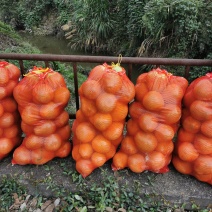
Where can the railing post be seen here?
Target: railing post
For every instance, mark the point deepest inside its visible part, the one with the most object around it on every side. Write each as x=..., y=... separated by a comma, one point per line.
x=129, y=73
x=76, y=85
x=187, y=70
x=46, y=64
x=21, y=64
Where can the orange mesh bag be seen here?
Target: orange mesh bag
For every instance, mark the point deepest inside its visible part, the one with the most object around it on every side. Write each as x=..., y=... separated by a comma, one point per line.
x=154, y=119
x=42, y=96
x=10, y=131
x=193, y=149
x=98, y=127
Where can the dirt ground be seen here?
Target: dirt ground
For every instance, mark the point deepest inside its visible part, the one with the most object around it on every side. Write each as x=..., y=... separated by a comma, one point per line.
x=171, y=188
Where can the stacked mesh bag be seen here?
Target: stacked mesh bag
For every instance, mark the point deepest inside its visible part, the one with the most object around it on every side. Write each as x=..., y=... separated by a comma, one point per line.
x=154, y=120
x=10, y=131
x=42, y=96
x=193, y=149
x=99, y=124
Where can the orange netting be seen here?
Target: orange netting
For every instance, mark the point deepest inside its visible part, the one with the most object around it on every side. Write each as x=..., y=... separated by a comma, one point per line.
x=98, y=128
x=10, y=131
x=42, y=96
x=154, y=119
x=193, y=149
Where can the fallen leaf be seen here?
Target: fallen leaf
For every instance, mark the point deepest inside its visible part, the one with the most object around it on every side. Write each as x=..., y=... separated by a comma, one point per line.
x=33, y=202
x=27, y=198
x=109, y=209
x=57, y=202
x=37, y=210
x=50, y=208
x=46, y=204
x=122, y=210
x=23, y=206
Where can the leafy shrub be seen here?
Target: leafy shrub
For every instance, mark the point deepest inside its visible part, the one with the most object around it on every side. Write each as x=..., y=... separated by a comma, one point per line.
x=9, y=186
x=159, y=28
x=92, y=24
x=7, y=30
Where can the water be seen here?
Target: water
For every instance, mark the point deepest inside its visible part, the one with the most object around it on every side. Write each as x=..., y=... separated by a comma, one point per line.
x=51, y=44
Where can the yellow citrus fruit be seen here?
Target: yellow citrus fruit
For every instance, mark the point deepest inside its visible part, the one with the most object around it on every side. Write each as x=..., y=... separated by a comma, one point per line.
x=182, y=166
x=112, y=82
x=101, y=121
x=155, y=161
x=203, y=90
x=136, y=163
x=187, y=152
x=145, y=142
x=164, y=132
x=85, y=132
x=91, y=89
x=191, y=125
x=106, y=102
x=148, y=122
x=119, y=161
x=85, y=150
x=128, y=145
x=119, y=113
x=101, y=144
x=153, y=101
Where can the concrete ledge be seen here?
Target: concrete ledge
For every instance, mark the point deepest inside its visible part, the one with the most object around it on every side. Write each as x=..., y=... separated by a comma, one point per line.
x=170, y=189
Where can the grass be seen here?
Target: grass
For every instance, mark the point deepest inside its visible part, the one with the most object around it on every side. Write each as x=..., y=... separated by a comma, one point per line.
x=103, y=190
x=7, y=30
x=90, y=195
x=8, y=187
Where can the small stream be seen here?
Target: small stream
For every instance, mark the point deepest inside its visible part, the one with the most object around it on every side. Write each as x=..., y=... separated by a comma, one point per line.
x=50, y=44
x=53, y=45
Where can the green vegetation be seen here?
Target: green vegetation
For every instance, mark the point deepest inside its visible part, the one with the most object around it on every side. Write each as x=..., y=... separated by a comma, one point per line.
x=7, y=30
x=156, y=28
x=26, y=14
x=149, y=28
x=104, y=190
x=7, y=189
x=16, y=45
x=107, y=193
x=161, y=28
x=11, y=42
x=91, y=25
x=153, y=28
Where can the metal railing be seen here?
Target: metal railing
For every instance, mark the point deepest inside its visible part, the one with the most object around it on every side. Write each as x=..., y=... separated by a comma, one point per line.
x=130, y=61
